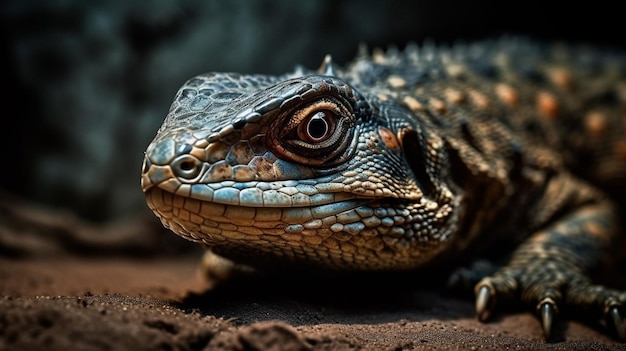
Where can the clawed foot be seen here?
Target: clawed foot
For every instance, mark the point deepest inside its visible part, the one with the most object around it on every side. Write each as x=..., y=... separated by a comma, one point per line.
x=595, y=302
x=549, y=273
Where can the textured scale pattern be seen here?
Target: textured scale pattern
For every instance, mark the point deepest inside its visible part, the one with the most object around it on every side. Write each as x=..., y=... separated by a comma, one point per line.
x=507, y=150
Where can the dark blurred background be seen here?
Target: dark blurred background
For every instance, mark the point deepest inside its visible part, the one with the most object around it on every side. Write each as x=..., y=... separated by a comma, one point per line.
x=86, y=84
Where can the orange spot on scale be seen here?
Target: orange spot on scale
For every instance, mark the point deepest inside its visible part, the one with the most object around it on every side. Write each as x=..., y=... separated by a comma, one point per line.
x=479, y=99
x=378, y=55
x=597, y=230
x=595, y=123
x=548, y=105
x=412, y=103
x=507, y=94
x=454, y=96
x=396, y=82
x=437, y=106
x=389, y=138
x=561, y=78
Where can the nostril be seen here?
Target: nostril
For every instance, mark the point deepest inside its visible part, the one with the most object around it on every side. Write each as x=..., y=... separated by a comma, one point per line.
x=186, y=166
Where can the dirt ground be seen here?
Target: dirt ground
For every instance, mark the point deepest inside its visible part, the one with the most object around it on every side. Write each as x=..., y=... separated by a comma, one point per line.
x=68, y=285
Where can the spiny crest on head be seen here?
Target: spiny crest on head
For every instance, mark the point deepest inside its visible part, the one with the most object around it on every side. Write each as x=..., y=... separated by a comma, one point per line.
x=364, y=52
x=328, y=67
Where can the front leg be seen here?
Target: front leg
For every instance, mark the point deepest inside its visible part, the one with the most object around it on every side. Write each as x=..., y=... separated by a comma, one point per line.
x=551, y=271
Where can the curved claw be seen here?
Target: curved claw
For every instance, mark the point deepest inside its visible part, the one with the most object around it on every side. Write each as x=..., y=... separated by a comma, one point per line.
x=617, y=321
x=485, y=302
x=548, y=312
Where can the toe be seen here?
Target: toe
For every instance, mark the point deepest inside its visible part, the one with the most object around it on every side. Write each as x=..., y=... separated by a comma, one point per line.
x=485, y=303
x=547, y=311
x=492, y=289
x=615, y=320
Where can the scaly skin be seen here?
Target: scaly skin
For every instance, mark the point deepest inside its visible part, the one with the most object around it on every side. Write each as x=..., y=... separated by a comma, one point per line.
x=410, y=159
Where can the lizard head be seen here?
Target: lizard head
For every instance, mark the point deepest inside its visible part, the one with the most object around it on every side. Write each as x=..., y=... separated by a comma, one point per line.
x=306, y=169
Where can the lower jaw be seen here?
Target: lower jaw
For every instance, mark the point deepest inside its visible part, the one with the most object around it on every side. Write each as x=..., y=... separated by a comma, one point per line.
x=267, y=237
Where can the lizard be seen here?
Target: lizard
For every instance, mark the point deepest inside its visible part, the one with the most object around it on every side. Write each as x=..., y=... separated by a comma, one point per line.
x=409, y=159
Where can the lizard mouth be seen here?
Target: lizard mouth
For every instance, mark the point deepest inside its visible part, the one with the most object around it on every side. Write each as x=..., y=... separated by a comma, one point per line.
x=342, y=234
x=214, y=223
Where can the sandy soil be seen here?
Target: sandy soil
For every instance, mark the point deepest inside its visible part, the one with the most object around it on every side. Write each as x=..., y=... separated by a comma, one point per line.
x=65, y=285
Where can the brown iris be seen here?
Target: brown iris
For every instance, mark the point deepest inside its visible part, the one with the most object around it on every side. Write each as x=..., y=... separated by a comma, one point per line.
x=315, y=132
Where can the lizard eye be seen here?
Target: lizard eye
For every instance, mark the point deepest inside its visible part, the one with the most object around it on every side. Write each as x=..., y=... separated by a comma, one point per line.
x=313, y=133
x=317, y=127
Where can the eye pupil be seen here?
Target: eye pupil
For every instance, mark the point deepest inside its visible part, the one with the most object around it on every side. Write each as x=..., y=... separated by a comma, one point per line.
x=317, y=127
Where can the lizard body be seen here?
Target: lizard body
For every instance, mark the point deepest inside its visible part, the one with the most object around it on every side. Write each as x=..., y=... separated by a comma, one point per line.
x=403, y=160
